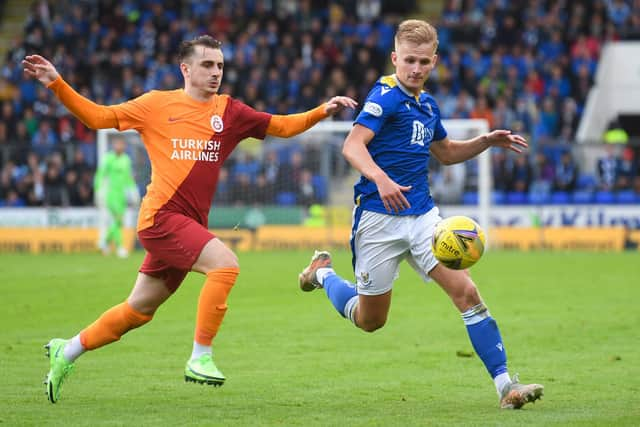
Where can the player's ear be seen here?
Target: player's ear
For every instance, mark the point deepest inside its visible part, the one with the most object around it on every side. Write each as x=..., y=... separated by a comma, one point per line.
x=394, y=57
x=184, y=68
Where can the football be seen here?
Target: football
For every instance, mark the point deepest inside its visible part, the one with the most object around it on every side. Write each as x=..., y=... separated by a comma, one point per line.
x=458, y=242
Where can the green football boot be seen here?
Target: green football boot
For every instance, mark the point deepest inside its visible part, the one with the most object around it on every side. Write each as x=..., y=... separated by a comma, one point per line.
x=203, y=371
x=59, y=368
x=516, y=395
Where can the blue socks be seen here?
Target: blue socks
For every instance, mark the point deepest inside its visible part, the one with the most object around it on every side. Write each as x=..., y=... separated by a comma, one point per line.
x=339, y=291
x=485, y=337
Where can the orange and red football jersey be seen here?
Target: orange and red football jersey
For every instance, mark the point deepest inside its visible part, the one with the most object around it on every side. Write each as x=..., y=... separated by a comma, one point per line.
x=187, y=141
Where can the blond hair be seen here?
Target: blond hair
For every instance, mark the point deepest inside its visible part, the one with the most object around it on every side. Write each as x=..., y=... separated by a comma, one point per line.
x=416, y=31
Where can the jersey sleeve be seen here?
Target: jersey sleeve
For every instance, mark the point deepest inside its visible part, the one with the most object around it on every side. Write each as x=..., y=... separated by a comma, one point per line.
x=439, y=132
x=133, y=114
x=377, y=109
x=248, y=122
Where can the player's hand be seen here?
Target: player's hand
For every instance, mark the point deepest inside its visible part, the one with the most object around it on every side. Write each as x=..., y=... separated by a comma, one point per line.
x=392, y=195
x=506, y=139
x=39, y=68
x=339, y=103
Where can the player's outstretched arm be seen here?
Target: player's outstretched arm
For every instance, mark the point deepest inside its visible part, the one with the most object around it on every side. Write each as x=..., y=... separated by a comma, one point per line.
x=449, y=151
x=91, y=114
x=289, y=125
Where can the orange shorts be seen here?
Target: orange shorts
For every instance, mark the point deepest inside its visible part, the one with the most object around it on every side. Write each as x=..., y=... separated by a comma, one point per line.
x=173, y=244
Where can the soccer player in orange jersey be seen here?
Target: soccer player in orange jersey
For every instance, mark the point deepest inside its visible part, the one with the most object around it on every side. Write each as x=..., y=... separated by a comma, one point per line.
x=188, y=134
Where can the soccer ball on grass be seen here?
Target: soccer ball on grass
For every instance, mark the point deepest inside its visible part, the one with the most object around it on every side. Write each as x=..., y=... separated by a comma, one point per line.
x=458, y=242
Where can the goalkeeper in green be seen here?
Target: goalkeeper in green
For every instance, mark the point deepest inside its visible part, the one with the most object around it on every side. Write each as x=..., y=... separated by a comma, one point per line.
x=114, y=189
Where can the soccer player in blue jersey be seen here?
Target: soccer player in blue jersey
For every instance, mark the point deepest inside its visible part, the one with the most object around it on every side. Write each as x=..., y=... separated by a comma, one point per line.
x=392, y=139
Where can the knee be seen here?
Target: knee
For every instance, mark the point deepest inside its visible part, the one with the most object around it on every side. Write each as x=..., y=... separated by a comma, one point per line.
x=227, y=259
x=233, y=261
x=146, y=306
x=372, y=325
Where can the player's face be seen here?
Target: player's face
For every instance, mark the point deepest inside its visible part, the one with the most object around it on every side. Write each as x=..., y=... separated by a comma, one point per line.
x=413, y=63
x=118, y=146
x=203, y=71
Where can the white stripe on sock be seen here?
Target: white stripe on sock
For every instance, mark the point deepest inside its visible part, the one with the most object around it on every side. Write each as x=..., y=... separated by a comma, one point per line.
x=350, y=309
x=322, y=272
x=475, y=314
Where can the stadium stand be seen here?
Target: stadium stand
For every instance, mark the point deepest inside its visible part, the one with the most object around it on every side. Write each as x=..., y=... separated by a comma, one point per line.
x=524, y=65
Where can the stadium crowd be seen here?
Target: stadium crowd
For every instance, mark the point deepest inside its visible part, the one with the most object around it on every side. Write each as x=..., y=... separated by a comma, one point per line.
x=522, y=65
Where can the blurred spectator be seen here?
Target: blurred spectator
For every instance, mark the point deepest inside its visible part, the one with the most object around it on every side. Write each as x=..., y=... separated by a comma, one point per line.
x=566, y=175
x=289, y=174
x=55, y=190
x=521, y=174
x=500, y=169
x=627, y=169
x=305, y=192
x=482, y=111
x=44, y=141
x=608, y=169
x=525, y=66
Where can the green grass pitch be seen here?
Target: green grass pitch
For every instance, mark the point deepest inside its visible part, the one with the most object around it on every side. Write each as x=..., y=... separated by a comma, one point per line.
x=569, y=321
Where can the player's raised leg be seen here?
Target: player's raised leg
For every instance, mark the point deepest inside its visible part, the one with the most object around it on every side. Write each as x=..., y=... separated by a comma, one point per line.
x=485, y=336
x=320, y=274
x=220, y=265
x=147, y=295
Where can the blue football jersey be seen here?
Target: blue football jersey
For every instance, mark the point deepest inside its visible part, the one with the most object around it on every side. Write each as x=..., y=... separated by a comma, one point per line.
x=404, y=127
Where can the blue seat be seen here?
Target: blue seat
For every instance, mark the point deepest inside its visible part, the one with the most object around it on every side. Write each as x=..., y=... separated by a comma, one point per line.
x=516, y=198
x=470, y=198
x=498, y=197
x=626, y=197
x=538, y=197
x=559, y=198
x=286, y=198
x=604, y=197
x=581, y=197
x=586, y=182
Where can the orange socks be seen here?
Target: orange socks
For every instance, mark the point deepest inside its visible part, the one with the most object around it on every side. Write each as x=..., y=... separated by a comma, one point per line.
x=113, y=323
x=212, y=307
x=212, y=304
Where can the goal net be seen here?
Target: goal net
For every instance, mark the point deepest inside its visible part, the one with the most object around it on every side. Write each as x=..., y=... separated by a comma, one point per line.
x=282, y=181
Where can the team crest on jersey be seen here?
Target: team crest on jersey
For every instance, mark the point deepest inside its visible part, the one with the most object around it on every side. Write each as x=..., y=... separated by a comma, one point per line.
x=216, y=123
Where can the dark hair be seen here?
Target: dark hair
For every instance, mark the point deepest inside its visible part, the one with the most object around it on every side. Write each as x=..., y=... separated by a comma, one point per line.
x=187, y=47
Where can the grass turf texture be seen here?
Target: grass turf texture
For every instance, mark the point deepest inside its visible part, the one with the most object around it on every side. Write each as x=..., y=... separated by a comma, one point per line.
x=569, y=321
